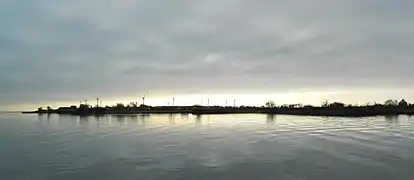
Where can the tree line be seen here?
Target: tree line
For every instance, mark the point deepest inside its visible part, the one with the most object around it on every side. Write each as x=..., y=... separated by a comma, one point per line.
x=387, y=103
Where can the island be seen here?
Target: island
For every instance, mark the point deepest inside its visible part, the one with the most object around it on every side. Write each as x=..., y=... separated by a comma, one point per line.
x=389, y=107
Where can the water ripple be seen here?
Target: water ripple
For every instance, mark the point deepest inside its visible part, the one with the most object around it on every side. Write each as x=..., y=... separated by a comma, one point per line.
x=206, y=147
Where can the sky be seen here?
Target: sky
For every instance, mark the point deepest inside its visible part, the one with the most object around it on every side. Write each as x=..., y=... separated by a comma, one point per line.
x=61, y=52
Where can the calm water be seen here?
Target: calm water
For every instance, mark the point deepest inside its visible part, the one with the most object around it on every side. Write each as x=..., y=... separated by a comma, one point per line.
x=215, y=147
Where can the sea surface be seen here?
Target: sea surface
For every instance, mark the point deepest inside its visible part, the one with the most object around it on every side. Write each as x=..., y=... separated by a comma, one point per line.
x=213, y=147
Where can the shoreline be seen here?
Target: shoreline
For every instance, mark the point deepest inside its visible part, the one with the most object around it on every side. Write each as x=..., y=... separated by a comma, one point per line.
x=202, y=110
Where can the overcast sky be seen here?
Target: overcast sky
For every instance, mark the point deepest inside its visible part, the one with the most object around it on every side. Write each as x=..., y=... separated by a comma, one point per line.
x=55, y=51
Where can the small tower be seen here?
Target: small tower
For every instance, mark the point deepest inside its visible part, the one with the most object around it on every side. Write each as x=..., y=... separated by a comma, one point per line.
x=143, y=100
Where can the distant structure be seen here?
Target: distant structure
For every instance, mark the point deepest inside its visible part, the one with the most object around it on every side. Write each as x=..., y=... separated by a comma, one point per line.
x=403, y=103
x=97, y=102
x=389, y=107
x=67, y=109
x=83, y=103
x=143, y=100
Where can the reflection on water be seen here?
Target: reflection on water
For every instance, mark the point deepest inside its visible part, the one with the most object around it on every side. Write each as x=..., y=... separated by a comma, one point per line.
x=270, y=118
x=198, y=119
x=391, y=119
x=172, y=118
x=182, y=146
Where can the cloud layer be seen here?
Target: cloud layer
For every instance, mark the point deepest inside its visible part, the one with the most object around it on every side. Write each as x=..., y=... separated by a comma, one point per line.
x=68, y=50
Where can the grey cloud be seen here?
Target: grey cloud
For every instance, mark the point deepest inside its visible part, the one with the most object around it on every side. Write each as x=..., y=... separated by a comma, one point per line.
x=74, y=49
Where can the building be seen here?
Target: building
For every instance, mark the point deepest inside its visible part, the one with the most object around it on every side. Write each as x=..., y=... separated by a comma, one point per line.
x=70, y=109
x=403, y=103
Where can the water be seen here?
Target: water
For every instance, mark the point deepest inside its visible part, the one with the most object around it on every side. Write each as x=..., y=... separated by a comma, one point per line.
x=215, y=147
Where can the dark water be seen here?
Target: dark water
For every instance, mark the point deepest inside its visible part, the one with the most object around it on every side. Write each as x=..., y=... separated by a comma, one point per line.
x=228, y=147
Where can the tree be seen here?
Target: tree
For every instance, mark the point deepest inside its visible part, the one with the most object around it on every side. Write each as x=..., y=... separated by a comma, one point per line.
x=119, y=105
x=40, y=109
x=270, y=104
x=49, y=108
x=285, y=105
x=308, y=106
x=325, y=103
x=391, y=102
x=84, y=106
x=133, y=104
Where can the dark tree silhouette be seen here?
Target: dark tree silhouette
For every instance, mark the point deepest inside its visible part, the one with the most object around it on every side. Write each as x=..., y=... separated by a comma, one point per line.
x=270, y=104
x=83, y=106
x=132, y=105
x=391, y=102
x=325, y=103
x=119, y=105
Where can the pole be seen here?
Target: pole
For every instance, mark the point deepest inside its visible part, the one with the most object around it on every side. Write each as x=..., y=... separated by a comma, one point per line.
x=208, y=102
x=173, y=103
x=226, y=103
x=143, y=98
x=234, y=103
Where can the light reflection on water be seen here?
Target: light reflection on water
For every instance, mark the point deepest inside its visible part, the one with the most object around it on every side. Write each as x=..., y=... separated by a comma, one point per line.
x=227, y=147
